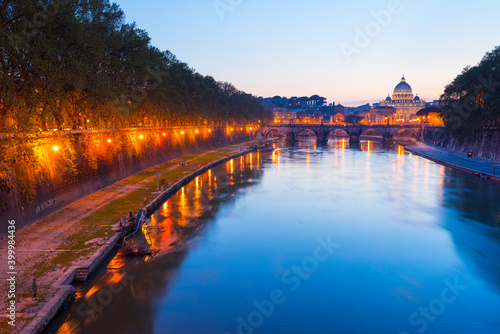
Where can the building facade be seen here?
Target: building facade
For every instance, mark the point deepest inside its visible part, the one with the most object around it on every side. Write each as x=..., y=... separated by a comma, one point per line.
x=403, y=101
x=284, y=116
x=382, y=116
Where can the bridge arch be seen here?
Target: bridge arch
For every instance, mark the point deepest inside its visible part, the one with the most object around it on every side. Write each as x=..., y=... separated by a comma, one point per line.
x=412, y=133
x=308, y=131
x=371, y=132
x=338, y=132
x=268, y=131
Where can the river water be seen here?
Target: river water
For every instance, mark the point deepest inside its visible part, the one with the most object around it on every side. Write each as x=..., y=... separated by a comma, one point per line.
x=309, y=239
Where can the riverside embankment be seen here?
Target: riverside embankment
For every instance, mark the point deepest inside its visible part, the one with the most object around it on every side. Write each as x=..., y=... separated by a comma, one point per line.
x=53, y=247
x=457, y=160
x=41, y=173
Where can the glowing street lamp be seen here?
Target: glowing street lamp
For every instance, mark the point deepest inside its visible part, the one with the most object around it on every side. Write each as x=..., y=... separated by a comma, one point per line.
x=196, y=131
x=164, y=134
x=55, y=148
x=141, y=137
x=109, y=140
x=182, y=132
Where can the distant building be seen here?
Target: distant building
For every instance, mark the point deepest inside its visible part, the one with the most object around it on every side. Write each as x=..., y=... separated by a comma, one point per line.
x=310, y=117
x=382, y=116
x=284, y=116
x=338, y=118
x=402, y=99
x=339, y=109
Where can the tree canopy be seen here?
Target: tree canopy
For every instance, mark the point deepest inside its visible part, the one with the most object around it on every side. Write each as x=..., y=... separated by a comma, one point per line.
x=472, y=100
x=76, y=64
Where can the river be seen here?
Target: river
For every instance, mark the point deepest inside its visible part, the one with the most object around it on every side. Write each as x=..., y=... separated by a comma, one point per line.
x=313, y=240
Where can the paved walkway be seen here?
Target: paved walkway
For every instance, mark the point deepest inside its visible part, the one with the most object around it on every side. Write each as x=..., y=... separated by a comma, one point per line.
x=457, y=160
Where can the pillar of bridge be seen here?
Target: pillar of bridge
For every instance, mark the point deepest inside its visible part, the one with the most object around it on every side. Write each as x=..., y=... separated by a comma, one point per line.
x=321, y=139
x=353, y=138
x=387, y=138
x=290, y=138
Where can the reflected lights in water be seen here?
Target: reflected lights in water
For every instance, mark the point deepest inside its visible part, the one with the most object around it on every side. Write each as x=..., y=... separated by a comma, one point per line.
x=401, y=150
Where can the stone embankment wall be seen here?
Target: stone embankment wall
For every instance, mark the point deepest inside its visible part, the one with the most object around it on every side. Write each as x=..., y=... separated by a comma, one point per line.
x=41, y=173
x=488, y=147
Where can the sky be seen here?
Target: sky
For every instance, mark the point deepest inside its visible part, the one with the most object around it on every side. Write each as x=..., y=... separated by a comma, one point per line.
x=350, y=52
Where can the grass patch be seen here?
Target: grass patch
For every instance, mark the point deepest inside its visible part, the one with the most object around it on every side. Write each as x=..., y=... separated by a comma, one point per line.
x=139, y=177
x=94, y=225
x=62, y=260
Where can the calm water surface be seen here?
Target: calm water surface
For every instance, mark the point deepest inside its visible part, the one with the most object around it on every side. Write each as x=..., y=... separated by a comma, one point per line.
x=310, y=240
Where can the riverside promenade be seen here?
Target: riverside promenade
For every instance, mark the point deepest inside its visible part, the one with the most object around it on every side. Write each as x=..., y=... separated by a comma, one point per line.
x=457, y=160
x=50, y=249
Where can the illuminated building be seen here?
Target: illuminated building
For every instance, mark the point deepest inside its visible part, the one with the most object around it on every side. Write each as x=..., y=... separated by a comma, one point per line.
x=402, y=99
x=382, y=116
x=431, y=116
x=283, y=115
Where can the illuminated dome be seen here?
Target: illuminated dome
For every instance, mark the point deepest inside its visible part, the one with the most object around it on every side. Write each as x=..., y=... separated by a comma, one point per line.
x=388, y=99
x=402, y=91
x=417, y=98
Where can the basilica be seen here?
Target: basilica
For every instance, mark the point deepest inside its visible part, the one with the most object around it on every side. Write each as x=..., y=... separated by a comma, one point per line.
x=403, y=101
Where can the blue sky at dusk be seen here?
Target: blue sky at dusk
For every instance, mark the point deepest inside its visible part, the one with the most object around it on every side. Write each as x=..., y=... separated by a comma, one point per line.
x=299, y=48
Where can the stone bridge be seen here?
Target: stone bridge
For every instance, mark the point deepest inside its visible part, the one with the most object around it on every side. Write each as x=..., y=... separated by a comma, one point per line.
x=322, y=131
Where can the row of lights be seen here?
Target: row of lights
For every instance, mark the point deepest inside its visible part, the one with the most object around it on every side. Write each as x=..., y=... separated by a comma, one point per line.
x=232, y=129
x=56, y=148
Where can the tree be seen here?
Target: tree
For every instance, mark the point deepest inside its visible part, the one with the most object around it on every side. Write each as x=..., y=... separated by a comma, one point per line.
x=80, y=65
x=472, y=100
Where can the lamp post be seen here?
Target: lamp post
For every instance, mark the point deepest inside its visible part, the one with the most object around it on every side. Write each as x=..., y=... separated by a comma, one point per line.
x=157, y=180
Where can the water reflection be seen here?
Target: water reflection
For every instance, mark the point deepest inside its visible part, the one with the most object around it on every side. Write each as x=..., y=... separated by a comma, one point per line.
x=405, y=227
x=174, y=229
x=474, y=202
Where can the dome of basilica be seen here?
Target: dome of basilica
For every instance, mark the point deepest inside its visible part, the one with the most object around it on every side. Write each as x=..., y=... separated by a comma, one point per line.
x=403, y=91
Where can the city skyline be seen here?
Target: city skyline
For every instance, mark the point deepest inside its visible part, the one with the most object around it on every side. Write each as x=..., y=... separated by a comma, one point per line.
x=350, y=53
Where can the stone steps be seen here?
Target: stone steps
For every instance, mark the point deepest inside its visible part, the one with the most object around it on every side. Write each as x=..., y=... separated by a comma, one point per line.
x=80, y=274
